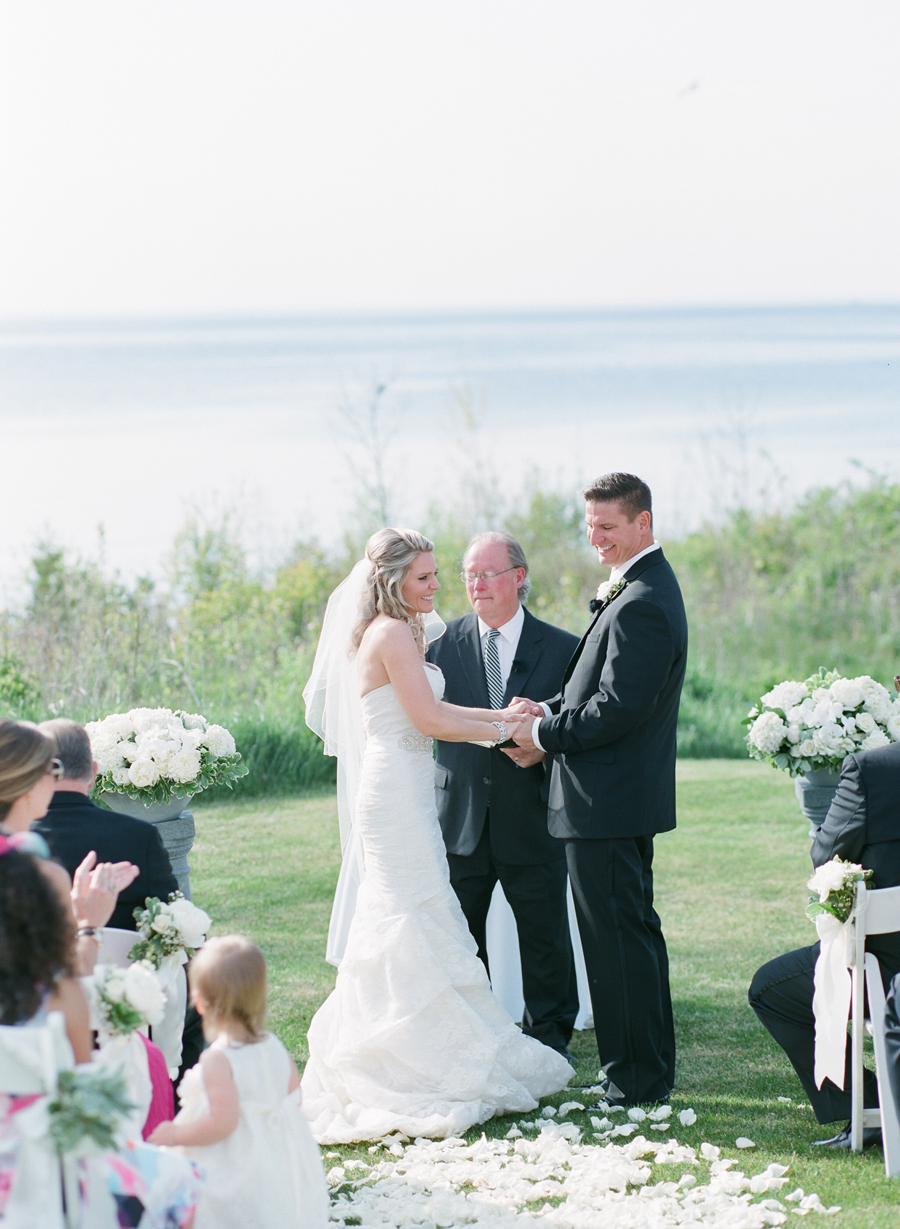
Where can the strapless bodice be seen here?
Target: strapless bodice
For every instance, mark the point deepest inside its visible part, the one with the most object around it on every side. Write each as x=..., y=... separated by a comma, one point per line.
x=384, y=718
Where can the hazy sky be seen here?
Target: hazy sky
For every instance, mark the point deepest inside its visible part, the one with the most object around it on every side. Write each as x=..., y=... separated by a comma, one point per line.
x=194, y=157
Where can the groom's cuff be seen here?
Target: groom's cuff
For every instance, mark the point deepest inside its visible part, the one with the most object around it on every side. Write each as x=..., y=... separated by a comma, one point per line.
x=546, y=707
x=536, y=725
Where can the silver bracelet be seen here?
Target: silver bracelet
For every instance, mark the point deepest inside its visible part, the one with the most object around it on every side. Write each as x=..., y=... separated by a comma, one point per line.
x=503, y=735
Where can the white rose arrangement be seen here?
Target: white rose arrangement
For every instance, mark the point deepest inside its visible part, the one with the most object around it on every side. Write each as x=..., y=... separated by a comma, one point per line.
x=177, y=928
x=127, y=999
x=814, y=724
x=155, y=753
x=832, y=888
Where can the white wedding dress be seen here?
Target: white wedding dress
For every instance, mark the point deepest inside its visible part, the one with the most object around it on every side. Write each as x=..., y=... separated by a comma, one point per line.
x=411, y=1038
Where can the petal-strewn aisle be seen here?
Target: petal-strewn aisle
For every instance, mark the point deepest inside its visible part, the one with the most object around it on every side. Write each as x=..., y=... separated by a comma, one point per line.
x=556, y=1180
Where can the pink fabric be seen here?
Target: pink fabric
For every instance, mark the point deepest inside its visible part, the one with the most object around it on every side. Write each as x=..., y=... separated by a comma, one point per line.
x=162, y=1103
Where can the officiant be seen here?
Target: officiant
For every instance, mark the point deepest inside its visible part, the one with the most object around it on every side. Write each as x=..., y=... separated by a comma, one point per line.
x=492, y=810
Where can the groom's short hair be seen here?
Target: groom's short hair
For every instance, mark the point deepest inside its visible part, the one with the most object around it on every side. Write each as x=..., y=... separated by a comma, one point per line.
x=626, y=489
x=514, y=552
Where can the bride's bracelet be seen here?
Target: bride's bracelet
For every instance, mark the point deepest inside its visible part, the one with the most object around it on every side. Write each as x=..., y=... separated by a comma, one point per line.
x=503, y=735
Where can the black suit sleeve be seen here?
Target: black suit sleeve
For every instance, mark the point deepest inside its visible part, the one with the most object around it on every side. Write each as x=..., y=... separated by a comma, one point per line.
x=638, y=662
x=843, y=834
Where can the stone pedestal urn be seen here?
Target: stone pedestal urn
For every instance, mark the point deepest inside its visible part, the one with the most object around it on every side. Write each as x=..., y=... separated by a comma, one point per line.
x=815, y=792
x=175, y=824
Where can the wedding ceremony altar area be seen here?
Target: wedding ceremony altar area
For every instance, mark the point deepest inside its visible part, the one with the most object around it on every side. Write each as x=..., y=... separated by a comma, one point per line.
x=731, y=893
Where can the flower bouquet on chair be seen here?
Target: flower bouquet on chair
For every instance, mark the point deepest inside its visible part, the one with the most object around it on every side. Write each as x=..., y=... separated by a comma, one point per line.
x=124, y=1001
x=170, y=933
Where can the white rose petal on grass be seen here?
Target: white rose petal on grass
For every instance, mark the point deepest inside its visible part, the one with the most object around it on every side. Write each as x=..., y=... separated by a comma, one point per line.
x=660, y=1113
x=743, y=1142
x=568, y=1106
x=687, y=1118
x=549, y=1111
x=785, y=1100
x=636, y=1114
x=709, y=1151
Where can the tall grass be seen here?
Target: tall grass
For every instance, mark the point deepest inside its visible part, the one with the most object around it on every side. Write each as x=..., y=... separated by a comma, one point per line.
x=769, y=596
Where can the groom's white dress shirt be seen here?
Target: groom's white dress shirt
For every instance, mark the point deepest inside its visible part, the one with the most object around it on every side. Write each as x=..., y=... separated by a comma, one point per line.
x=614, y=575
x=507, y=641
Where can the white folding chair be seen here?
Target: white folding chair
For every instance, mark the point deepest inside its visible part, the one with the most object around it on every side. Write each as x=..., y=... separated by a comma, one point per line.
x=115, y=945
x=875, y=913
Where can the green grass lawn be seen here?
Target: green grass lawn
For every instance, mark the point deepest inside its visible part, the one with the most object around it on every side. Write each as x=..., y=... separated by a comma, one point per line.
x=730, y=891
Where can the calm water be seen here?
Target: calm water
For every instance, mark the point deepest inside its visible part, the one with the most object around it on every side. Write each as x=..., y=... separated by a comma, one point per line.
x=128, y=424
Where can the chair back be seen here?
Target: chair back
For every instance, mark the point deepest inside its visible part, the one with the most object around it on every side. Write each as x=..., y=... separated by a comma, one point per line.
x=31, y=1056
x=881, y=915
x=115, y=946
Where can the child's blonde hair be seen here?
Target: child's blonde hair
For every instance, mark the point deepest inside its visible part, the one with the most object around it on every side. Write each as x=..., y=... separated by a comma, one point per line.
x=229, y=974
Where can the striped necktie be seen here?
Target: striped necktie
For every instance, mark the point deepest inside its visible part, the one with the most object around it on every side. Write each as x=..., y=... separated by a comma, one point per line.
x=492, y=669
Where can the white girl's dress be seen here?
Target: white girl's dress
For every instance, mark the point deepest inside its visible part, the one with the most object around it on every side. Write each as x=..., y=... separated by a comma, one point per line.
x=411, y=1038
x=267, y=1174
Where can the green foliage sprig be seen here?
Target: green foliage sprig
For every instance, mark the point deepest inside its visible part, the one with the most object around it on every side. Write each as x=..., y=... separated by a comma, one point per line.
x=87, y=1108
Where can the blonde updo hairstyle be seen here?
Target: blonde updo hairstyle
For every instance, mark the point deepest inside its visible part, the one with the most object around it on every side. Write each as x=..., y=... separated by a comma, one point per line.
x=392, y=553
x=25, y=755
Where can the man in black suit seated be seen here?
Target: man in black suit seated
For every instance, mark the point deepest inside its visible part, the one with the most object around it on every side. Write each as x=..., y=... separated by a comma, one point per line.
x=863, y=826
x=74, y=825
x=493, y=811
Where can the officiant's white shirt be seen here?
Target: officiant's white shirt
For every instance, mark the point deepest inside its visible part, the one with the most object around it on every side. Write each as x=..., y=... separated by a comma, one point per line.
x=507, y=641
x=614, y=575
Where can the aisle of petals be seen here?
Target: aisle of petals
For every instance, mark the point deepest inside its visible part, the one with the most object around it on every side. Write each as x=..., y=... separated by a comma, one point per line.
x=555, y=1181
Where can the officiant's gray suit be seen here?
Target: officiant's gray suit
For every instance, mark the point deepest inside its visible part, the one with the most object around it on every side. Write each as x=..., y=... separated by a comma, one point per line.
x=493, y=816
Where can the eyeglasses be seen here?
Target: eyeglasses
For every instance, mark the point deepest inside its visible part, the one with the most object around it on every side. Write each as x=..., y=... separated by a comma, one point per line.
x=490, y=574
x=57, y=769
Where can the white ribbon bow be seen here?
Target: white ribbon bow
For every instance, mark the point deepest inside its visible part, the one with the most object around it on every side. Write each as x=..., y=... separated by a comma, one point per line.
x=168, y=1033
x=831, y=1000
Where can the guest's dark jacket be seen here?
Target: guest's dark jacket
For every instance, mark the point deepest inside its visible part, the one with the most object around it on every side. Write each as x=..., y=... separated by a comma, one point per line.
x=470, y=779
x=74, y=825
x=612, y=733
x=863, y=825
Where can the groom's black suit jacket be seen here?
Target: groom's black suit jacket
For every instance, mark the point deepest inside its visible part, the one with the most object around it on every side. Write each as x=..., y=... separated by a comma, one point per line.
x=612, y=733
x=471, y=779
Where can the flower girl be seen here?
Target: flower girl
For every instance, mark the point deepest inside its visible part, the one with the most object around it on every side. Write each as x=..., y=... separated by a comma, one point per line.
x=242, y=1118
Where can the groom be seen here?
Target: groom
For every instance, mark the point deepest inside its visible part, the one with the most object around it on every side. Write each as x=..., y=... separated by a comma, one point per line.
x=611, y=735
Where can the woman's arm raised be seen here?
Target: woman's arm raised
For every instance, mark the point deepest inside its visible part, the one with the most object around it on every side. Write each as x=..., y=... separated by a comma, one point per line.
x=391, y=644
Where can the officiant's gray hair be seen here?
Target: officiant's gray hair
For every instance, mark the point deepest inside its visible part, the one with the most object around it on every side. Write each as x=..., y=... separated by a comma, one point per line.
x=514, y=551
x=392, y=553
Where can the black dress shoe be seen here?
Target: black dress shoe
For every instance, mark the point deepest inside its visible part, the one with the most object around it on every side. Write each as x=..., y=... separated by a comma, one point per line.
x=871, y=1139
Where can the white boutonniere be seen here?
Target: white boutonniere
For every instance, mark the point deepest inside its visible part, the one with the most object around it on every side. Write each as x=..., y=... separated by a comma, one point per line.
x=608, y=590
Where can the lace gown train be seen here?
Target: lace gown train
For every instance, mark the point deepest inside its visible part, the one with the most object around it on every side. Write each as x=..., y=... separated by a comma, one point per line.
x=411, y=1039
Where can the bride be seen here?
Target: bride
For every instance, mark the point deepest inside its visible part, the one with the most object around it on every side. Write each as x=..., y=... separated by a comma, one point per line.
x=411, y=1038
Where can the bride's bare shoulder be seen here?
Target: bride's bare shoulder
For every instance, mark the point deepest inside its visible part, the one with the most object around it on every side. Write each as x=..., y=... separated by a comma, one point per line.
x=384, y=631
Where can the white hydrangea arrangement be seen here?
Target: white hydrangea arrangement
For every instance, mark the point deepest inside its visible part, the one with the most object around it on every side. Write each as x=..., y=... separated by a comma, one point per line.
x=154, y=753
x=814, y=724
x=832, y=888
x=168, y=929
x=127, y=999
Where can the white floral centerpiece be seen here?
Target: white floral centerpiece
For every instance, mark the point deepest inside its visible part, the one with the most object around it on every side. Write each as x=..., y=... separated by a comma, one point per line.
x=805, y=726
x=153, y=754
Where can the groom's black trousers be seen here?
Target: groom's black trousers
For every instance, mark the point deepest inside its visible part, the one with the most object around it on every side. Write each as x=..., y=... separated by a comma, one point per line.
x=781, y=994
x=537, y=896
x=627, y=964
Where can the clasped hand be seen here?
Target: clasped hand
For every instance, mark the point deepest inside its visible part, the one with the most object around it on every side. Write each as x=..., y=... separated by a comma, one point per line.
x=521, y=713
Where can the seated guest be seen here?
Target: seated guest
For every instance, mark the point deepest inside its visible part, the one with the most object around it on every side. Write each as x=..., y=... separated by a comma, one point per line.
x=74, y=825
x=863, y=826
